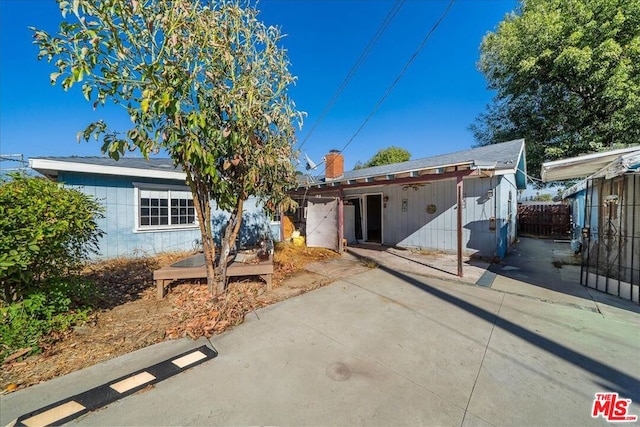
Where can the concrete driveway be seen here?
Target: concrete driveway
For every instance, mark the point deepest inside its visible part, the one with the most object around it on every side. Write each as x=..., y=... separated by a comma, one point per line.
x=385, y=347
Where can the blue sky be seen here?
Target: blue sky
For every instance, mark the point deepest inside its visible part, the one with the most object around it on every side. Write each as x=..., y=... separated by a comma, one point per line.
x=428, y=112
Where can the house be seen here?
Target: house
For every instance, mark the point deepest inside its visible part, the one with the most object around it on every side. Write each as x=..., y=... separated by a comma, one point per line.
x=606, y=211
x=464, y=202
x=148, y=206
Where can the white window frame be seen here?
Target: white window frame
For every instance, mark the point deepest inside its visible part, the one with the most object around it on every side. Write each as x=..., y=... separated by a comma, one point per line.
x=138, y=187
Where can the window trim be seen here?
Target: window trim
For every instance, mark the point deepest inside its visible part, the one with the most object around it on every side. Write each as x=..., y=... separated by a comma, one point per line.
x=137, y=187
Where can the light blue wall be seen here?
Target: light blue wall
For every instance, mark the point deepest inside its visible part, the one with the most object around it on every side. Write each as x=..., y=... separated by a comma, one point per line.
x=592, y=211
x=577, y=209
x=121, y=238
x=506, y=212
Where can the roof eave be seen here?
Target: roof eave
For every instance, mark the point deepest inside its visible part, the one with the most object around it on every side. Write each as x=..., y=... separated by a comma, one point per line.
x=50, y=168
x=390, y=177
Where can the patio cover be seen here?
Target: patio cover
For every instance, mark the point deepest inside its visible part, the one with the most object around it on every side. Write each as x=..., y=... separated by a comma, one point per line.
x=587, y=165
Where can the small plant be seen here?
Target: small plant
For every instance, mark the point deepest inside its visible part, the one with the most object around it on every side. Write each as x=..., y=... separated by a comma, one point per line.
x=369, y=263
x=427, y=252
x=24, y=324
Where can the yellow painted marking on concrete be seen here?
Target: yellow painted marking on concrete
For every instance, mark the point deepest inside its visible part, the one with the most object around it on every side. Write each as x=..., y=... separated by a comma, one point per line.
x=132, y=382
x=54, y=414
x=189, y=359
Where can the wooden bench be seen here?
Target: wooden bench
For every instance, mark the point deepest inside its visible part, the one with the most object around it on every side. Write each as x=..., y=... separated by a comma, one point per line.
x=182, y=270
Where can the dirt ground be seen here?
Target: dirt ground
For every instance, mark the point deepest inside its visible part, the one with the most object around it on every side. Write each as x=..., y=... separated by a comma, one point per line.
x=130, y=316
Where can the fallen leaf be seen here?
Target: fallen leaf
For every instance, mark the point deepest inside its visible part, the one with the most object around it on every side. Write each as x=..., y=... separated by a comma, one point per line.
x=18, y=354
x=11, y=387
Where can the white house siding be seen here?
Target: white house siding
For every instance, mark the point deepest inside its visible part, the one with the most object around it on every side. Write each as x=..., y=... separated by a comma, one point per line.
x=116, y=194
x=479, y=209
x=417, y=228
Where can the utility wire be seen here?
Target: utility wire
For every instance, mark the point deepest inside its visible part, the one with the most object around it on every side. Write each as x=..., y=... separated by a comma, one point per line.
x=374, y=39
x=395, y=82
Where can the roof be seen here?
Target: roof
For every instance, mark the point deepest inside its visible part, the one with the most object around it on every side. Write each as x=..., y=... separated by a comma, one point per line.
x=499, y=158
x=582, y=166
x=155, y=167
x=496, y=159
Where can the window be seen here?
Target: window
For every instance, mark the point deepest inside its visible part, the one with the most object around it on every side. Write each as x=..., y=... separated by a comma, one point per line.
x=164, y=208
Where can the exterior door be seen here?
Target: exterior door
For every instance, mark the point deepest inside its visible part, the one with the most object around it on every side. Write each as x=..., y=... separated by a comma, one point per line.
x=373, y=203
x=323, y=223
x=356, y=202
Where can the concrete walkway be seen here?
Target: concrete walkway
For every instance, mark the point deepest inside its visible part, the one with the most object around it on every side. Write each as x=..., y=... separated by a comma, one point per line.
x=547, y=270
x=387, y=347
x=431, y=264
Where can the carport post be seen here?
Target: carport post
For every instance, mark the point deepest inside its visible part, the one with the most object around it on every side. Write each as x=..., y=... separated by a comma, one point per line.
x=341, y=222
x=459, y=188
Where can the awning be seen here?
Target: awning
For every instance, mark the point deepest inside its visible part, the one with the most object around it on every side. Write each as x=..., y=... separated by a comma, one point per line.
x=583, y=166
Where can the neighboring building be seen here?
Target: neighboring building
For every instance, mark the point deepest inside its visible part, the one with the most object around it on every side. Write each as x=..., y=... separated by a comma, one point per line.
x=606, y=211
x=148, y=206
x=464, y=201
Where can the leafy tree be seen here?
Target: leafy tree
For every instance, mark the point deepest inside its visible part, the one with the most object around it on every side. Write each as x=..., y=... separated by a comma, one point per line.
x=545, y=197
x=567, y=76
x=46, y=232
x=203, y=80
x=386, y=156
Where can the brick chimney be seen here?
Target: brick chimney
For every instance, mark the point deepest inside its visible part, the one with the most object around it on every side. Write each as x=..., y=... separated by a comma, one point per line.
x=335, y=164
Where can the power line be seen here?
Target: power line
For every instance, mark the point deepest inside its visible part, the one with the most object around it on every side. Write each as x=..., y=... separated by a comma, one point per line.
x=395, y=82
x=16, y=158
x=374, y=39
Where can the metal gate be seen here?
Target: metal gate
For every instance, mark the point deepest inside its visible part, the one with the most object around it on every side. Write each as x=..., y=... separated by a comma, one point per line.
x=611, y=237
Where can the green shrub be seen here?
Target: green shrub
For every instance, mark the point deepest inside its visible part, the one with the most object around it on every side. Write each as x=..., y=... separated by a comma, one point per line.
x=46, y=233
x=25, y=323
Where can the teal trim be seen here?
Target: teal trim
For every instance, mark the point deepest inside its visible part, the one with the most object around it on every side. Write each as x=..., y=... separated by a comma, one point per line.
x=521, y=176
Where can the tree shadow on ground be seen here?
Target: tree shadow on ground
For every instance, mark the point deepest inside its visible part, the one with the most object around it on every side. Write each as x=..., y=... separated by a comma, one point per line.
x=610, y=377
x=121, y=280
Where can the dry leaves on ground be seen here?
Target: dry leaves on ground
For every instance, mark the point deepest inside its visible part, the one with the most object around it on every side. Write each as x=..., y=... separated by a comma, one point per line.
x=128, y=315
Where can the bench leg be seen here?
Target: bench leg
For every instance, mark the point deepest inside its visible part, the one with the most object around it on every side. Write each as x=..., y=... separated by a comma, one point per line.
x=267, y=279
x=160, y=288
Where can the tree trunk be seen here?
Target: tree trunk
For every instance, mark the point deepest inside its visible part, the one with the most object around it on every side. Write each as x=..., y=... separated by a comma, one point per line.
x=202, y=205
x=229, y=239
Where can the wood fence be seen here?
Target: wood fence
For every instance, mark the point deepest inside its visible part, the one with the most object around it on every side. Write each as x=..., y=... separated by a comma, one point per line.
x=552, y=221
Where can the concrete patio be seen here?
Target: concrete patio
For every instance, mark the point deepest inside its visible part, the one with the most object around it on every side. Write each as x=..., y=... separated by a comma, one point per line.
x=383, y=346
